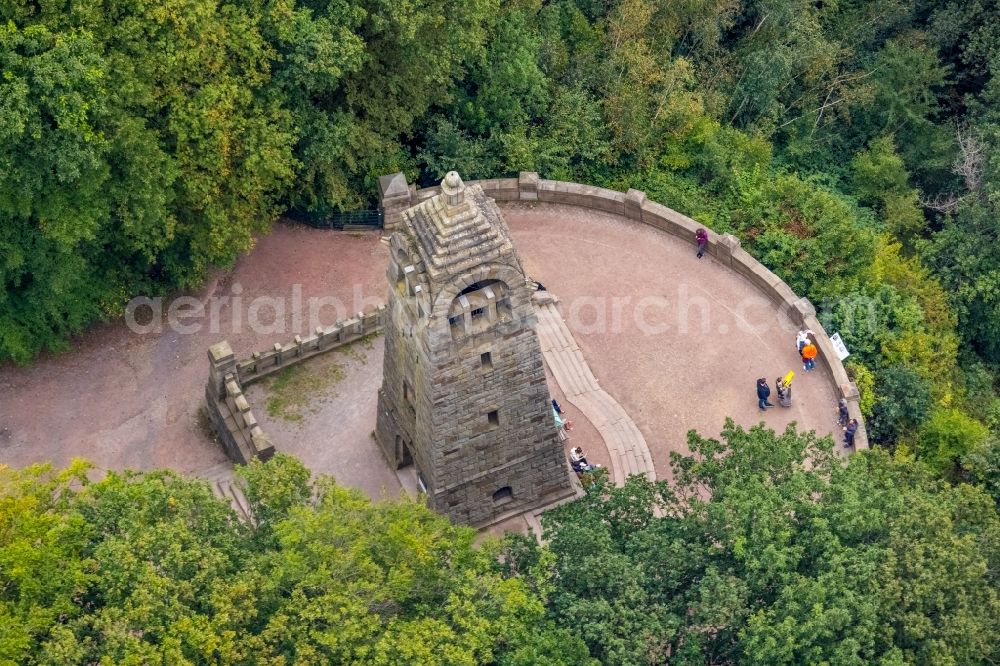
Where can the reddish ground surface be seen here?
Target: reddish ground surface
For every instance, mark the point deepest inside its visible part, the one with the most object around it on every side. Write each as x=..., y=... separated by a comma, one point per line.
x=335, y=435
x=678, y=341
x=125, y=400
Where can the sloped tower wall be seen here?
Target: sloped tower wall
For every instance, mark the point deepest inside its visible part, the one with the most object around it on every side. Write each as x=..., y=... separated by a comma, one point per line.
x=464, y=397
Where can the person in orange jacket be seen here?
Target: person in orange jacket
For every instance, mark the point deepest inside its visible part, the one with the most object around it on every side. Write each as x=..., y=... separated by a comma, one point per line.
x=809, y=357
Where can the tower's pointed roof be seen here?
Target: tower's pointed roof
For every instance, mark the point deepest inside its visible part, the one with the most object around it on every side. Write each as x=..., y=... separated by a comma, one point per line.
x=457, y=230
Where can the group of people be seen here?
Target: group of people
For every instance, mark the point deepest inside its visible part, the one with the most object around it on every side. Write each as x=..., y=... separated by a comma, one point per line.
x=807, y=350
x=764, y=393
x=577, y=460
x=846, y=423
x=783, y=385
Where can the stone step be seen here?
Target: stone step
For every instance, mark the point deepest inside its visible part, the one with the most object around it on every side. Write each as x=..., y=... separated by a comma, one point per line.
x=622, y=437
x=239, y=502
x=222, y=480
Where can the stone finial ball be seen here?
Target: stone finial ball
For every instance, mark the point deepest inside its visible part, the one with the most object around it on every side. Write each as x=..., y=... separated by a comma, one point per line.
x=452, y=183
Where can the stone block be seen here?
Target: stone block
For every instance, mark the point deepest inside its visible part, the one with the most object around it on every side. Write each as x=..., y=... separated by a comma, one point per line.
x=220, y=353
x=263, y=448
x=803, y=310
x=393, y=185
x=508, y=189
x=527, y=185
x=608, y=201
x=850, y=391
x=756, y=273
x=634, y=199
x=723, y=247
x=222, y=362
x=669, y=220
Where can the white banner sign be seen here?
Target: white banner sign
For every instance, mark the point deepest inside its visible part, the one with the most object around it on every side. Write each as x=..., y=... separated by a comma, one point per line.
x=839, y=346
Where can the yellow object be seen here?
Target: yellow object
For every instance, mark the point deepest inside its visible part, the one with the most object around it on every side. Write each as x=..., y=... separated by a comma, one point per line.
x=787, y=381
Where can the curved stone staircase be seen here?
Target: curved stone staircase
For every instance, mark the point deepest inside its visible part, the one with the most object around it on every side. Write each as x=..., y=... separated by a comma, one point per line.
x=626, y=444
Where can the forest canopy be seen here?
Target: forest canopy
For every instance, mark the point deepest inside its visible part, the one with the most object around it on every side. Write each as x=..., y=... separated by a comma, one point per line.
x=766, y=548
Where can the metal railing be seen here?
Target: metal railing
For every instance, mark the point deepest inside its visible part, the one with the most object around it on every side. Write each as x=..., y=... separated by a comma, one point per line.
x=341, y=220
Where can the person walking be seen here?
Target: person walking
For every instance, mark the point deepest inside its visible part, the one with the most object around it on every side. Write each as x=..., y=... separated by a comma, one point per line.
x=763, y=391
x=849, y=431
x=701, y=238
x=809, y=357
x=842, y=416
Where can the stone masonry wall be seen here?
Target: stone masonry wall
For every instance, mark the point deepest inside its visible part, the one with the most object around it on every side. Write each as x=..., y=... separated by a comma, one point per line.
x=476, y=458
x=228, y=409
x=262, y=364
x=724, y=248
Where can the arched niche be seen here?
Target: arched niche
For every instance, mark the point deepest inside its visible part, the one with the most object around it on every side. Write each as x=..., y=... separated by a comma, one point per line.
x=479, y=306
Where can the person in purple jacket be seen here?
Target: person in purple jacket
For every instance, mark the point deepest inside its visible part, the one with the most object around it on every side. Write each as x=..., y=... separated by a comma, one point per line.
x=701, y=237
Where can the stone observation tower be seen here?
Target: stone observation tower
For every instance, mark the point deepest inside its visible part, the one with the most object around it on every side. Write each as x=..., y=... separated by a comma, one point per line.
x=463, y=396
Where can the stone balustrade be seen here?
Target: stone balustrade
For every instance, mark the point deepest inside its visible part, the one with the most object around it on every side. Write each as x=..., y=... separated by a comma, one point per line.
x=264, y=363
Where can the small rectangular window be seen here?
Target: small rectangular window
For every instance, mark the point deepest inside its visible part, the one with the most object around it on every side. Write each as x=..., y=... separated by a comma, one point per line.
x=407, y=393
x=486, y=360
x=493, y=418
x=478, y=312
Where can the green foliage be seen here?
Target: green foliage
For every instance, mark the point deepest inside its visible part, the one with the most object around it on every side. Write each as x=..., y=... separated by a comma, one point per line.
x=982, y=467
x=53, y=178
x=946, y=436
x=879, y=178
x=152, y=568
x=274, y=488
x=865, y=381
x=504, y=88
x=902, y=402
x=909, y=79
x=123, y=169
x=451, y=149
x=765, y=548
x=140, y=568
x=962, y=254
x=41, y=567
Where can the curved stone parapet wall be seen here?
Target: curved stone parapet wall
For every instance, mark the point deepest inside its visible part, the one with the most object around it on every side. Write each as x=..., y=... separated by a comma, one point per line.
x=398, y=195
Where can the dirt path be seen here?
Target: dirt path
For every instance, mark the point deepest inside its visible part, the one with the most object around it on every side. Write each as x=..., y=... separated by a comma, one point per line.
x=121, y=399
